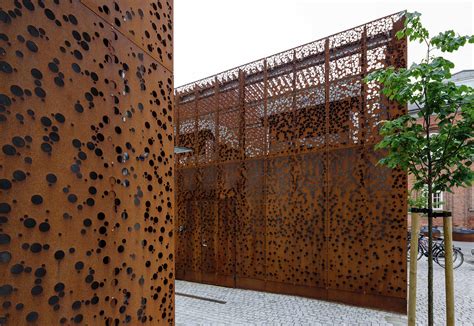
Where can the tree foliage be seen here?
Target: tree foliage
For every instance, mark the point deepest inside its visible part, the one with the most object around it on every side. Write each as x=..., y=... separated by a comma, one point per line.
x=446, y=108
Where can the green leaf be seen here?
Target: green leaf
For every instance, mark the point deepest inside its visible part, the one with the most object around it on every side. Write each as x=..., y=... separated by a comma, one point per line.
x=446, y=106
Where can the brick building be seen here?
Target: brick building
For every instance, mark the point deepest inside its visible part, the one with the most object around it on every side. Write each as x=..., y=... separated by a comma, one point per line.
x=461, y=201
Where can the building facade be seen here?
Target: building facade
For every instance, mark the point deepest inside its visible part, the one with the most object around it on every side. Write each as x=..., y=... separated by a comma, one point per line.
x=281, y=191
x=461, y=201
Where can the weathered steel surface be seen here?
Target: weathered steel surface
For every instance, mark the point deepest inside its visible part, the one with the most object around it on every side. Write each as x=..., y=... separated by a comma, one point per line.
x=148, y=24
x=86, y=168
x=282, y=192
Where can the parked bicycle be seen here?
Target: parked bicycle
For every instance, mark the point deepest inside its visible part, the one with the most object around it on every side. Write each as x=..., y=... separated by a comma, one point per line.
x=438, y=251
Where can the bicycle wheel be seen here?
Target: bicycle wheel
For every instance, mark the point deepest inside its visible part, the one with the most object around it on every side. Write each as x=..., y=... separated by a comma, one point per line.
x=422, y=247
x=438, y=256
x=458, y=258
x=418, y=255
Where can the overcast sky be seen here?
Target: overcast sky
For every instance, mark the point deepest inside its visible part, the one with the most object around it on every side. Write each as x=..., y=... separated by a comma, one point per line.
x=215, y=35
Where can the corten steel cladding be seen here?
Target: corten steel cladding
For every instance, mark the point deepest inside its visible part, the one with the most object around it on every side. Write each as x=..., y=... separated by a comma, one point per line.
x=282, y=191
x=86, y=168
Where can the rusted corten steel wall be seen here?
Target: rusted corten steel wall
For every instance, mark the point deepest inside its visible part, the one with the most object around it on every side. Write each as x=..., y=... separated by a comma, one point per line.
x=86, y=162
x=282, y=191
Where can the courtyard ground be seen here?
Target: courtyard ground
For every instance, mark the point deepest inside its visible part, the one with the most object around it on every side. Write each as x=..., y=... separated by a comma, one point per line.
x=244, y=307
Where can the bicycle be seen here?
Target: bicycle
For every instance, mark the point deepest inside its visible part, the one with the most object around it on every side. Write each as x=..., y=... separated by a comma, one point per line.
x=438, y=251
x=439, y=255
x=422, y=246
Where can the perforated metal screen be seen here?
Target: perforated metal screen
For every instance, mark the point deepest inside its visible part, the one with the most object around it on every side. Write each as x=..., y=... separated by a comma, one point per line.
x=86, y=162
x=282, y=191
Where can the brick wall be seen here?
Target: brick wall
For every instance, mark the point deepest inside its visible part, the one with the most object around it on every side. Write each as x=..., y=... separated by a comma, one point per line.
x=460, y=202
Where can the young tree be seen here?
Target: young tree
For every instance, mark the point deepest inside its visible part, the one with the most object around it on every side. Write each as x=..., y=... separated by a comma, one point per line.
x=438, y=161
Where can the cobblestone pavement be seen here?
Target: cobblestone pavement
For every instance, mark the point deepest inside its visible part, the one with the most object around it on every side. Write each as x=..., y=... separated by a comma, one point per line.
x=244, y=307
x=463, y=290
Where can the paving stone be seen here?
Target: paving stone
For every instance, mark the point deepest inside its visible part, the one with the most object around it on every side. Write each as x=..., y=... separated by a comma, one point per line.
x=244, y=307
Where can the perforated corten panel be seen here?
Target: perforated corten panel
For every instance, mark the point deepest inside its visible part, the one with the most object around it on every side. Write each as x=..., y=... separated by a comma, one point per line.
x=86, y=169
x=149, y=24
x=282, y=192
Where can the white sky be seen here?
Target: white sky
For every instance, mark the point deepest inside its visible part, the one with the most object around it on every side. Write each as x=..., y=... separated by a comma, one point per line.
x=215, y=35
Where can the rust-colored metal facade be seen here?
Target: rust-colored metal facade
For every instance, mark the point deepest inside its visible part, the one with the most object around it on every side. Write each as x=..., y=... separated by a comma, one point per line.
x=86, y=162
x=282, y=191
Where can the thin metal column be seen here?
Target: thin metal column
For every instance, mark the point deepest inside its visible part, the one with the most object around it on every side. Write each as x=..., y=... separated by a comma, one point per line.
x=242, y=114
x=364, y=88
x=265, y=162
x=242, y=167
x=215, y=160
x=176, y=136
x=196, y=127
x=198, y=178
x=293, y=106
x=216, y=141
x=326, y=152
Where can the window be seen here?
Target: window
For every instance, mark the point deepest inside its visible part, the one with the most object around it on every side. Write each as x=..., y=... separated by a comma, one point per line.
x=438, y=200
x=438, y=197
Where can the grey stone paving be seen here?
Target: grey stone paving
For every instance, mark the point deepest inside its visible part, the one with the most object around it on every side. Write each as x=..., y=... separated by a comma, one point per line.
x=463, y=290
x=245, y=307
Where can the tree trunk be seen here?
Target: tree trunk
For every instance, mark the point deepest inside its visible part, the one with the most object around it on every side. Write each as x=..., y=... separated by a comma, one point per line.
x=430, y=254
x=448, y=269
x=415, y=227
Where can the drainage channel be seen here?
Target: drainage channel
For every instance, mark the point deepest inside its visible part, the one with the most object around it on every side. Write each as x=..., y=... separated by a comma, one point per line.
x=200, y=298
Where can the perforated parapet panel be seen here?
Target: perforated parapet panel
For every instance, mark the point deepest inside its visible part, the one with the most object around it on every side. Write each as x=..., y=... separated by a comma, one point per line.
x=282, y=191
x=86, y=162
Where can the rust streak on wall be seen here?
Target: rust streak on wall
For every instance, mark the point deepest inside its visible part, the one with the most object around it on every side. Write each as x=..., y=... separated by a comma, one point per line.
x=284, y=172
